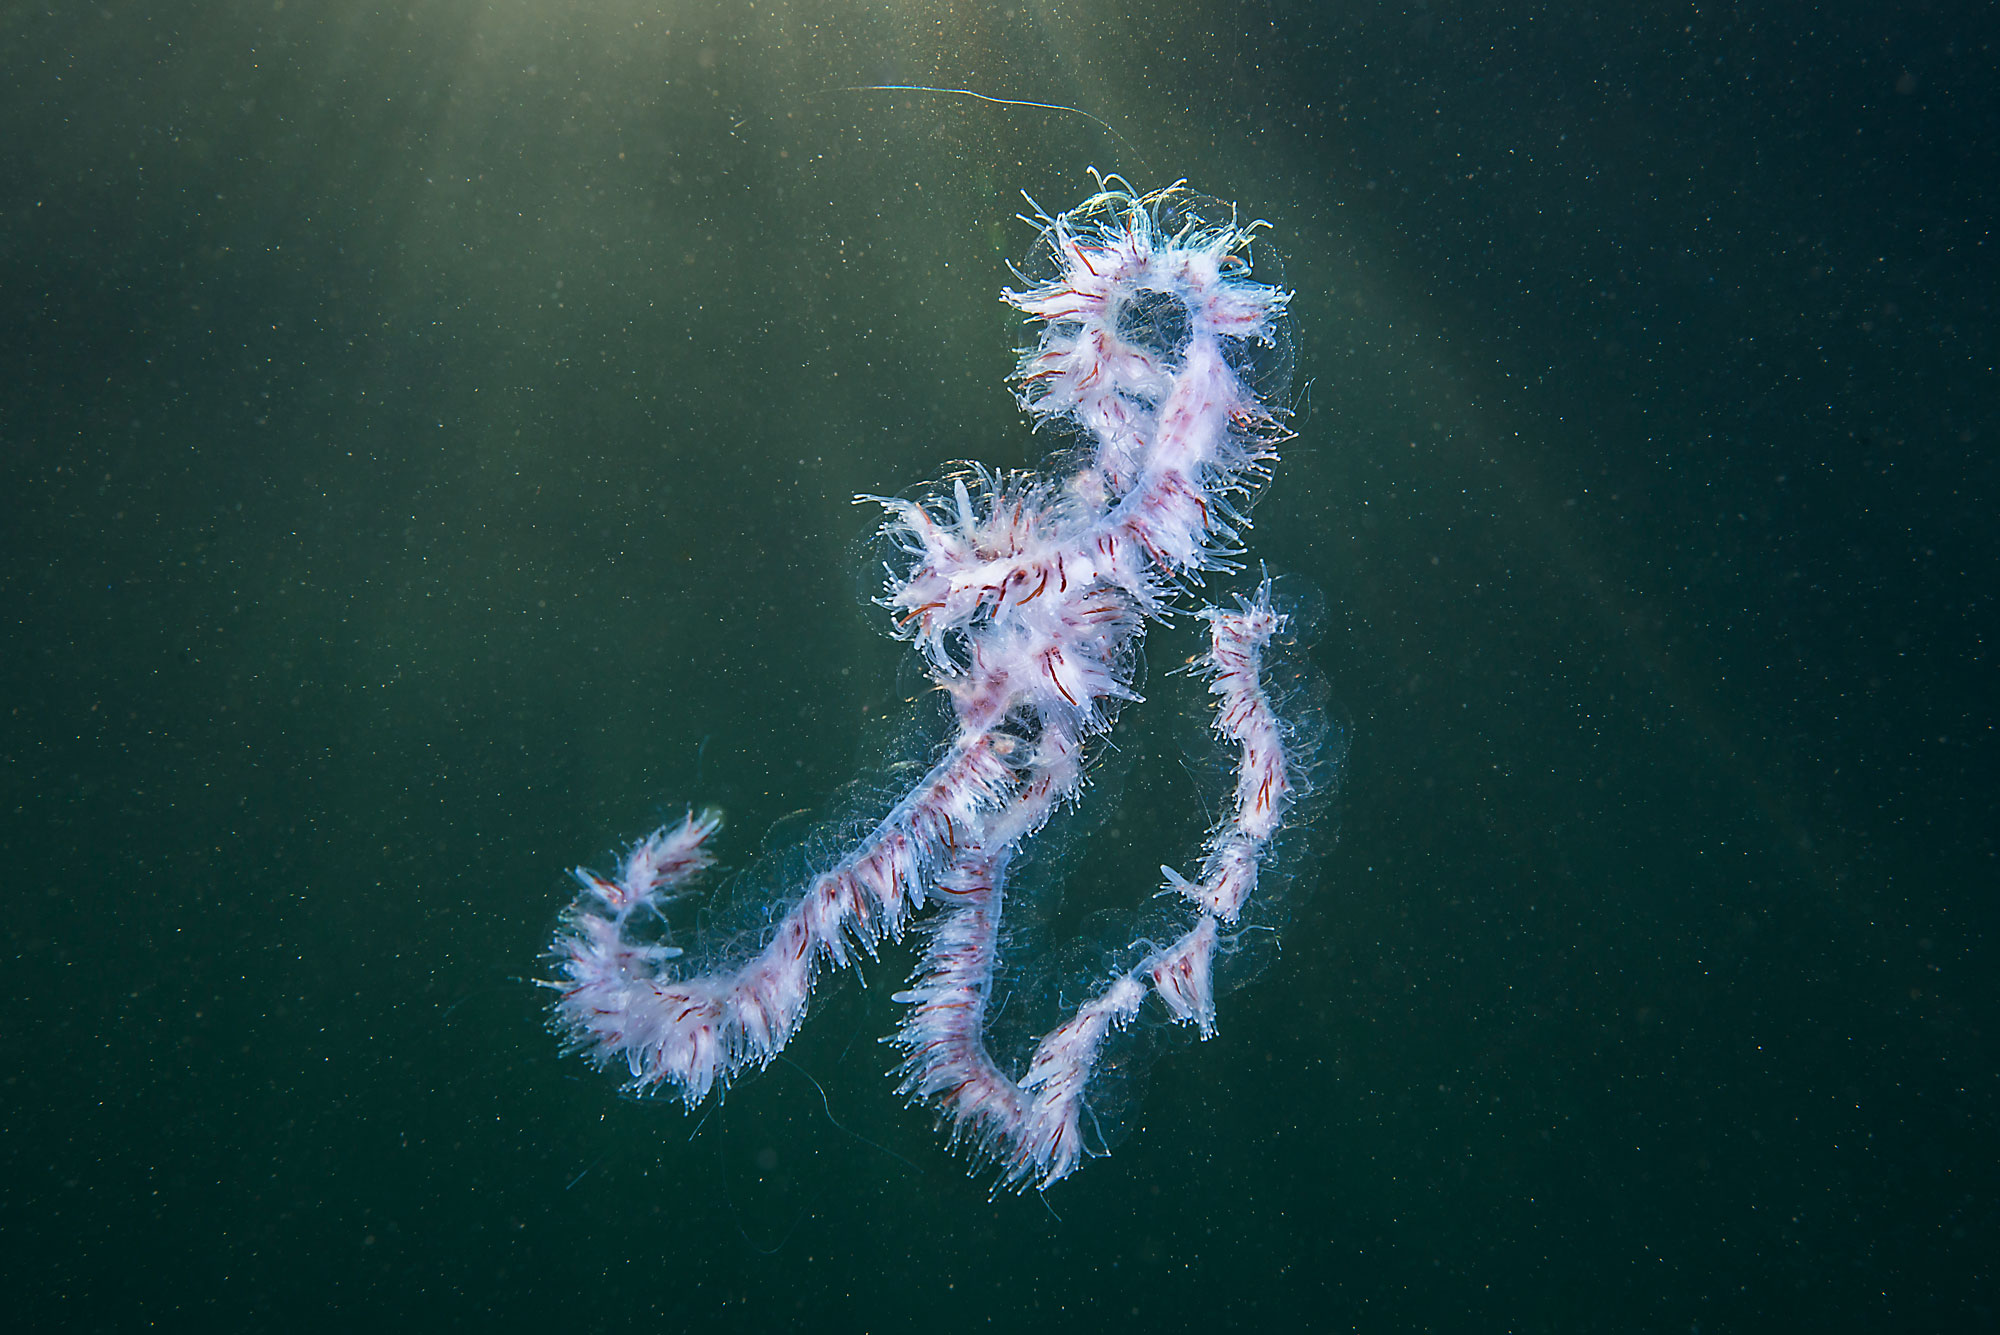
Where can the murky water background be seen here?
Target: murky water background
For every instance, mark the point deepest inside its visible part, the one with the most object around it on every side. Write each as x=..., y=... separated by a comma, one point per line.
x=428, y=438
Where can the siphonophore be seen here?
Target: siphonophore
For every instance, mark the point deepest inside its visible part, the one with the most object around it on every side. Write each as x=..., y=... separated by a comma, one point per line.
x=1161, y=357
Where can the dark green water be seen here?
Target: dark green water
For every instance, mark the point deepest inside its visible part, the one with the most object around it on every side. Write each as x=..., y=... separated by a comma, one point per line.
x=427, y=436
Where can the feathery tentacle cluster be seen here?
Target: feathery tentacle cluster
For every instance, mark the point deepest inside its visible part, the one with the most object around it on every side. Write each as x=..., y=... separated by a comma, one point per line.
x=1027, y=594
